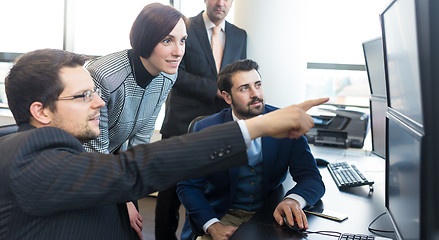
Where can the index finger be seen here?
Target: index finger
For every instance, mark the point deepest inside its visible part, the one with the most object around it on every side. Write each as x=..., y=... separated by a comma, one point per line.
x=312, y=103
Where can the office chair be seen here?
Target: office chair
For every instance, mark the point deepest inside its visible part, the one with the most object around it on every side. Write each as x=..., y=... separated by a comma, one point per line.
x=8, y=129
x=192, y=123
x=195, y=231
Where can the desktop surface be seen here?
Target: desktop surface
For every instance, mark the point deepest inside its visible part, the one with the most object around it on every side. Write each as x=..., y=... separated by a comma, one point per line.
x=6, y=120
x=6, y=117
x=361, y=205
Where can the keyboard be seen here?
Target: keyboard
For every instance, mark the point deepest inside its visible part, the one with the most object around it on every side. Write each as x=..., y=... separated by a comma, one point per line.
x=347, y=175
x=352, y=236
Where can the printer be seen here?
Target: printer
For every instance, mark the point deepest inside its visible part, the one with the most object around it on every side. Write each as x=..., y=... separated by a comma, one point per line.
x=339, y=128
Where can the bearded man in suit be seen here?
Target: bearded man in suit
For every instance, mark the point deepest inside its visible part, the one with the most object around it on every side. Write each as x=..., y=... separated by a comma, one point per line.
x=218, y=203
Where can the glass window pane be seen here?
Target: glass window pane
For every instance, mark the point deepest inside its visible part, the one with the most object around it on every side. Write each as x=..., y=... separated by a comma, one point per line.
x=335, y=33
x=4, y=69
x=337, y=28
x=342, y=86
x=28, y=25
x=102, y=27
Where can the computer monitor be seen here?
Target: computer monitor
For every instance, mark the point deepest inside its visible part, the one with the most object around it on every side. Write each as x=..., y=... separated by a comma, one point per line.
x=374, y=59
x=411, y=52
x=399, y=27
x=378, y=109
x=403, y=177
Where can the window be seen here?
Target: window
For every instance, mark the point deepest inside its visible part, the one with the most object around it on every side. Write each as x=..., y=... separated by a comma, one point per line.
x=4, y=69
x=28, y=25
x=102, y=27
x=336, y=30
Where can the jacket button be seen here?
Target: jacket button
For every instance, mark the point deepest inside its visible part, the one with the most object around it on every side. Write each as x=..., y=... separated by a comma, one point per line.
x=213, y=155
x=220, y=152
x=228, y=149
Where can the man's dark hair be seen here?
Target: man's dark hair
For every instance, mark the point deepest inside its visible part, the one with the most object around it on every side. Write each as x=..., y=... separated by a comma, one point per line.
x=225, y=76
x=35, y=77
x=153, y=23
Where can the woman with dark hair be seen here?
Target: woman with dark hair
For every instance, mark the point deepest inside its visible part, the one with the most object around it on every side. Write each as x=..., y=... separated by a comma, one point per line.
x=134, y=83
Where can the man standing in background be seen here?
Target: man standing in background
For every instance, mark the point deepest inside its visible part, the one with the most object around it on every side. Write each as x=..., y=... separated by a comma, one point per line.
x=212, y=43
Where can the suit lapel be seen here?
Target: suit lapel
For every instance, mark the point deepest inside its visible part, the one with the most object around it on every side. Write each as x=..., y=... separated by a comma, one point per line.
x=200, y=31
x=228, y=48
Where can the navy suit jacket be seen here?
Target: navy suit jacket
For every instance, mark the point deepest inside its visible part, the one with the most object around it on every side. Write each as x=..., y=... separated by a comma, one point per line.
x=194, y=92
x=211, y=196
x=51, y=188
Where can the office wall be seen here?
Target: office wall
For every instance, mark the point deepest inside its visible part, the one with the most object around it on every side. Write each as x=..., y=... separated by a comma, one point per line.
x=276, y=40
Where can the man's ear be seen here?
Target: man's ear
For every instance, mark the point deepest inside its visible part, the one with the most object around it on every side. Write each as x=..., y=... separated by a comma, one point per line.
x=40, y=113
x=227, y=97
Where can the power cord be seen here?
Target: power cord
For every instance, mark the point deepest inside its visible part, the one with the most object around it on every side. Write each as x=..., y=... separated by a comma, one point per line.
x=378, y=231
x=326, y=233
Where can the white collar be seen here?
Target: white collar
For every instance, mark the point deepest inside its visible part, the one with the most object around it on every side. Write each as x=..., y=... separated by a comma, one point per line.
x=209, y=24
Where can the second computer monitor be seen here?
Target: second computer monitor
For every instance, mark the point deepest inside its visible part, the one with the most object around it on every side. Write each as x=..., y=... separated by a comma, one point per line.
x=378, y=108
x=402, y=59
x=374, y=59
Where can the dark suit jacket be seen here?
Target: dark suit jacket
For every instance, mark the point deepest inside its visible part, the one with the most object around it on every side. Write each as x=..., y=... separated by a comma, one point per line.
x=50, y=188
x=194, y=92
x=211, y=196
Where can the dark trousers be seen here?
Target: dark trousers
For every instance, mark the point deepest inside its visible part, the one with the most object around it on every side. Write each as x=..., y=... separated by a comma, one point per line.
x=167, y=214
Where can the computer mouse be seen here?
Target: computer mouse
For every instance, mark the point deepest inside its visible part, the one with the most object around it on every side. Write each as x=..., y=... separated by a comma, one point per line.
x=321, y=162
x=295, y=227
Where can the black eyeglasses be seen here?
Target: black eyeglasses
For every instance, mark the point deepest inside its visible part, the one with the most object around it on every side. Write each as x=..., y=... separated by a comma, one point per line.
x=87, y=96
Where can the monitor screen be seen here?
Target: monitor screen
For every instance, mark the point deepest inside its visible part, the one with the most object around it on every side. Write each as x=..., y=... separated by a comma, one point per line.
x=378, y=108
x=374, y=59
x=403, y=196
x=401, y=55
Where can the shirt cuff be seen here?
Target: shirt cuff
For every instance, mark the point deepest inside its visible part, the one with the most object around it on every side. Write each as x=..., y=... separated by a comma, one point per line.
x=209, y=223
x=245, y=133
x=300, y=199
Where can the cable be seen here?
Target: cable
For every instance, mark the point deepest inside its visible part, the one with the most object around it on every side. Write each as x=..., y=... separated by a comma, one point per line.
x=378, y=231
x=327, y=233
x=323, y=232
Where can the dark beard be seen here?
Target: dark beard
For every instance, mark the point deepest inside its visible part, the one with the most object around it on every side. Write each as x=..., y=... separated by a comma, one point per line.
x=248, y=112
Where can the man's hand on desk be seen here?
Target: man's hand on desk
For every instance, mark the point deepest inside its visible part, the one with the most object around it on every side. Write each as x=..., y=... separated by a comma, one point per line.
x=290, y=121
x=218, y=231
x=289, y=207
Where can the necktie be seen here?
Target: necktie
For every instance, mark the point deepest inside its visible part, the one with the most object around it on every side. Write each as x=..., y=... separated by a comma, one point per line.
x=254, y=152
x=217, y=47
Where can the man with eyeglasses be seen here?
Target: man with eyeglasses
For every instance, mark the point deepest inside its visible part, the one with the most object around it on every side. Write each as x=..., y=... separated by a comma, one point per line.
x=51, y=188
x=87, y=96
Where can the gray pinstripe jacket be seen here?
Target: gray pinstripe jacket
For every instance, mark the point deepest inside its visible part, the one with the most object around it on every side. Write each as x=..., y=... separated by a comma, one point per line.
x=131, y=110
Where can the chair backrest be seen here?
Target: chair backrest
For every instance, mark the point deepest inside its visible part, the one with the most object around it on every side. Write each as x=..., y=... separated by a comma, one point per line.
x=8, y=129
x=192, y=123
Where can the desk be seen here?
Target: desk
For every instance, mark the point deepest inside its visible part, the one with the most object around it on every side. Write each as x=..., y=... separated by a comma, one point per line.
x=6, y=120
x=6, y=117
x=360, y=206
